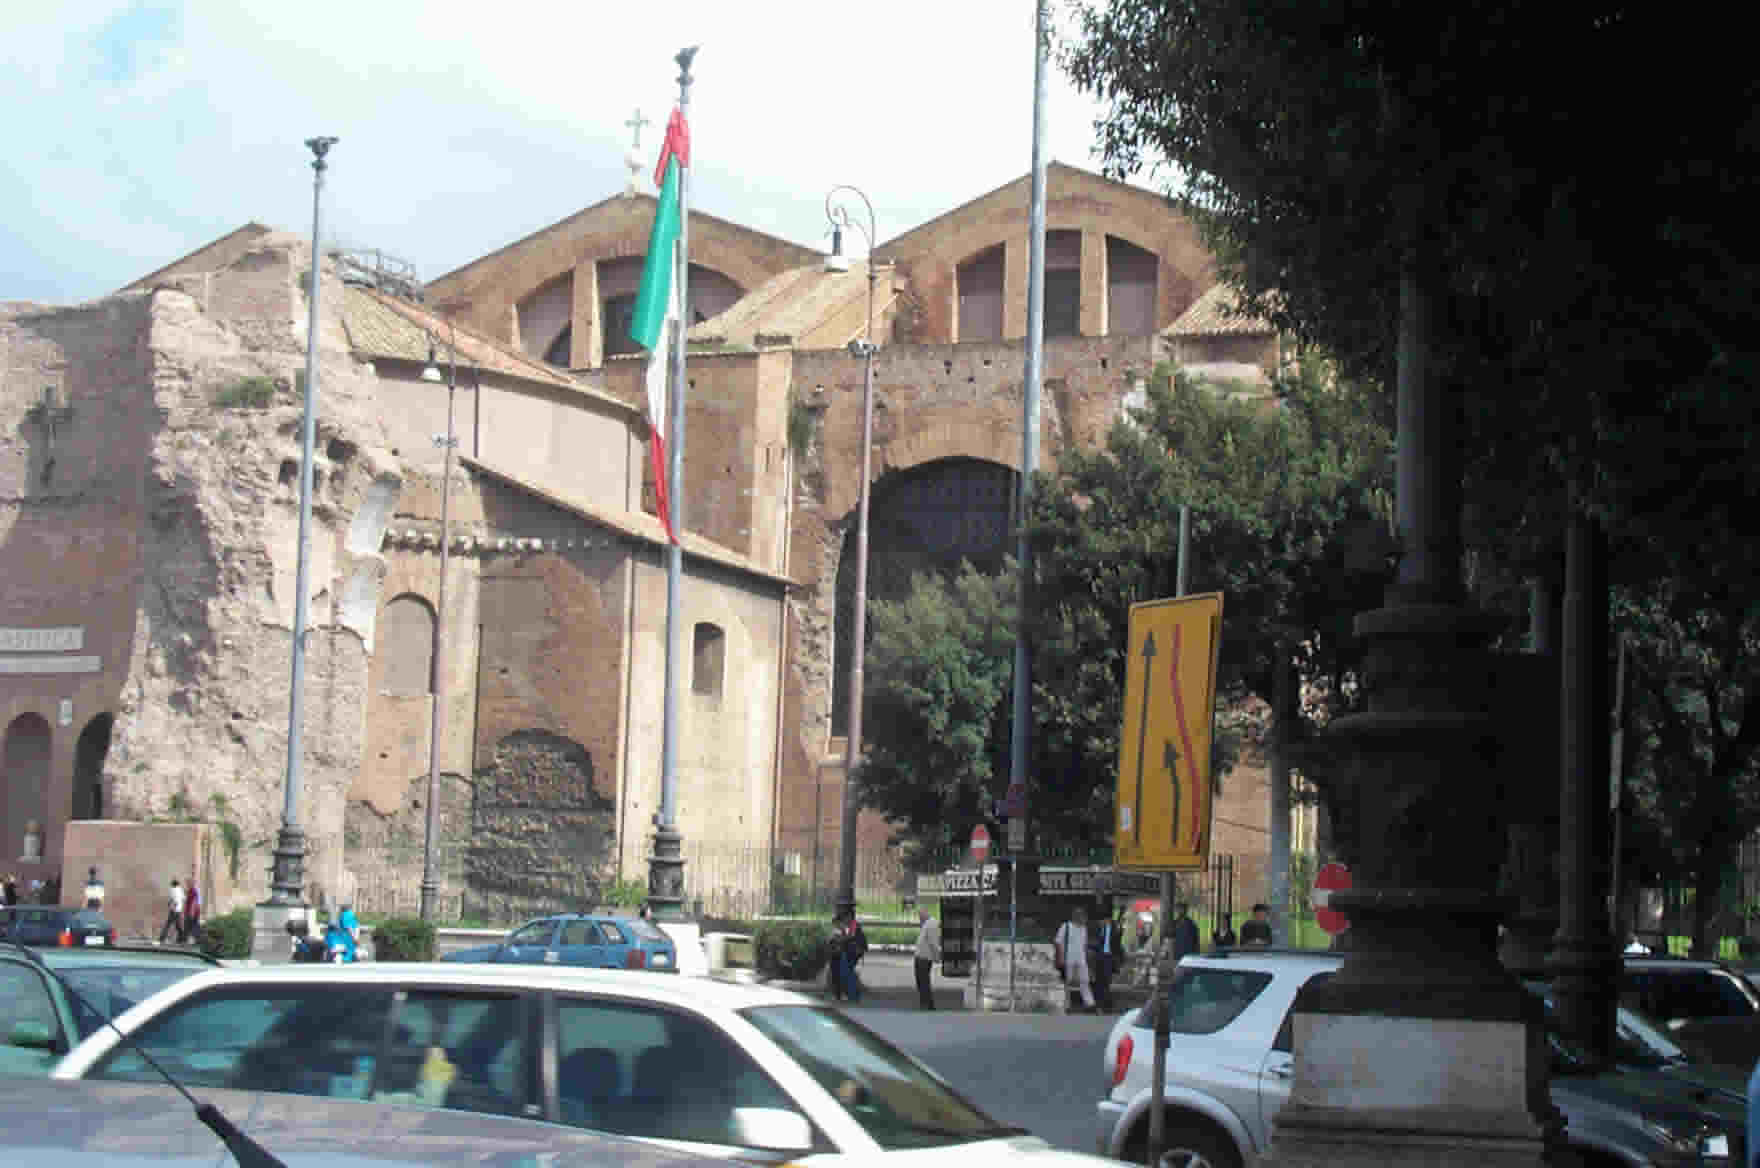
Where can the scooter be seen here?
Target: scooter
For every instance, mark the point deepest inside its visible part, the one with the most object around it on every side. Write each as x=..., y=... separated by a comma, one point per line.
x=334, y=947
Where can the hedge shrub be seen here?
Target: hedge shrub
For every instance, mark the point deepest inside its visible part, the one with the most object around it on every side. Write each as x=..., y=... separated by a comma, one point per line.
x=403, y=939
x=791, y=950
x=229, y=935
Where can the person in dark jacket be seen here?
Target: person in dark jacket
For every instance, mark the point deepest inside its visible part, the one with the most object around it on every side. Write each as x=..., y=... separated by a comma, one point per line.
x=1105, y=955
x=1257, y=928
x=855, y=947
x=1185, y=933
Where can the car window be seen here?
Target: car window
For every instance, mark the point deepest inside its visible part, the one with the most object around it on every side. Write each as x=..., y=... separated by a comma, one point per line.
x=642, y=930
x=899, y=1102
x=614, y=935
x=1202, y=999
x=24, y=999
x=307, y=1040
x=1286, y=1034
x=465, y=1052
x=536, y=933
x=639, y=1070
x=1669, y=994
x=579, y=933
x=101, y=992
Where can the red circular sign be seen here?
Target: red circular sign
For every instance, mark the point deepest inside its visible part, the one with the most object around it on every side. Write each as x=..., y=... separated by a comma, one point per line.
x=980, y=843
x=1331, y=878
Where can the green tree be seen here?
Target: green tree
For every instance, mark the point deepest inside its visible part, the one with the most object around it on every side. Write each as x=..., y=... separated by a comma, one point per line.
x=1289, y=503
x=937, y=703
x=1693, y=684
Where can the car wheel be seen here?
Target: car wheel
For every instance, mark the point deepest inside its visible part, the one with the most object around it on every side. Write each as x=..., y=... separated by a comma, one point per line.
x=1187, y=1144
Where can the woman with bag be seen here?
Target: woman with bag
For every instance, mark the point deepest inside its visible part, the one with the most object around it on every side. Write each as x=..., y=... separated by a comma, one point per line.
x=1069, y=953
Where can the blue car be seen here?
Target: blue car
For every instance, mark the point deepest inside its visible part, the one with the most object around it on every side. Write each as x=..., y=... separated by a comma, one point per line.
x=596, y=942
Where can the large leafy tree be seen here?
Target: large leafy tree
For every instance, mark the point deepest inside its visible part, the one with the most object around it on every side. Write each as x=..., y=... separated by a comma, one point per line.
x=1289, y=500
x=1289, y=503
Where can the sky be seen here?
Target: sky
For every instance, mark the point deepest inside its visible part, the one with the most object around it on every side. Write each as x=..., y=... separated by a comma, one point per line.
x=139, y=130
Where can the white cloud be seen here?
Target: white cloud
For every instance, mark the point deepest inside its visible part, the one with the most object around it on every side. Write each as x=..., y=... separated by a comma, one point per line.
x=463, y=128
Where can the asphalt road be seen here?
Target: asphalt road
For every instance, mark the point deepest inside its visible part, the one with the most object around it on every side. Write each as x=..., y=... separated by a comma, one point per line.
x=1037, y=1071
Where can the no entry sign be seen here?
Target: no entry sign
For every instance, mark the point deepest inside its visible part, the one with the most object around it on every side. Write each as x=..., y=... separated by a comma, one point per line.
x=980, y=843
x=1331, y=878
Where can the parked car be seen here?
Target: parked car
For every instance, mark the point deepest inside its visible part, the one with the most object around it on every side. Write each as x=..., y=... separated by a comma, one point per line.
x=700, y=1064
x=51, y=999
x=596, y=942
x=126, y=1125
x=1232, y=1058
x=1706, y=1006
x=48, y=925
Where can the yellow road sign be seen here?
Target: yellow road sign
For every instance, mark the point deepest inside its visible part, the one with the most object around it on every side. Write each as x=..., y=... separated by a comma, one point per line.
x=1162, y=808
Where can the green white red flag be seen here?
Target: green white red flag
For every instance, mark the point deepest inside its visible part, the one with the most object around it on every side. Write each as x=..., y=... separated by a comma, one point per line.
x=657, y=299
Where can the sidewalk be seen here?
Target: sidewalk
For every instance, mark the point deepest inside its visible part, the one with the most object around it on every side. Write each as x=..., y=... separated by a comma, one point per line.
x=889, y=983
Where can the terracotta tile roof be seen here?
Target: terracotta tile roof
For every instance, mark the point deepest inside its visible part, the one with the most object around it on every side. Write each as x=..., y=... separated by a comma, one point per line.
x=637, y=524
x=1213, y=315
x=791, y=306
x=382, y=325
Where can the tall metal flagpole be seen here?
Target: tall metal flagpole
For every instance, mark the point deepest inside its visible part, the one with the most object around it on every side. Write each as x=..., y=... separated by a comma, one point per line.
x=666, y=867
x=1020, y=738
x=288, y=879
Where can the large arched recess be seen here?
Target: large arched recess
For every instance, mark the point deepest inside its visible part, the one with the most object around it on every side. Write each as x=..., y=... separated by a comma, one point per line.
x=930, y=517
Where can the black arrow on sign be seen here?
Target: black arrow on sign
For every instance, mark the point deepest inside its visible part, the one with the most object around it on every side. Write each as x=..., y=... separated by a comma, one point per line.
x=1142, y=732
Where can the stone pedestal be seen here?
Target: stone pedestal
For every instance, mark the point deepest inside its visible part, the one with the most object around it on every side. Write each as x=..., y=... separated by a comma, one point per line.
x=271, y=944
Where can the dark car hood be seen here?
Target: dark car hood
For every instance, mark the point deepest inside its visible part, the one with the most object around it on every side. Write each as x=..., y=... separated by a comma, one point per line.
x=1726, y=1083
x=1727, y=1042
x=1660, y=1095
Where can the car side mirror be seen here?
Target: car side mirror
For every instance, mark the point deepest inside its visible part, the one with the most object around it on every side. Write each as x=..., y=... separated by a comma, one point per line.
x=1676, y=1023
x=772, y=1128
x=32, y=1035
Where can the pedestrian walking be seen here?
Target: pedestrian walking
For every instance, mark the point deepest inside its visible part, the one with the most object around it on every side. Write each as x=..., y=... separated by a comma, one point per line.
x=173, y=914
x=1105, y=954
x=94, y=893
x=9, y=889
x=1070, y=951
x=1256, y=929
x=192, y=913
x=855, y=947
x=1185, y=933
x=1222, y=936
x=928, y=952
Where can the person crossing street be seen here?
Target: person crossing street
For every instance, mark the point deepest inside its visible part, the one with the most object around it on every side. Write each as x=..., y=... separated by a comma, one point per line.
x=928, y=952
x=173, y=926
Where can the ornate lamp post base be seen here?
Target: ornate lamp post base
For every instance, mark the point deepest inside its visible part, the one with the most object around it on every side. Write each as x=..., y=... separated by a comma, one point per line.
x=666, y=875
x=271, y=943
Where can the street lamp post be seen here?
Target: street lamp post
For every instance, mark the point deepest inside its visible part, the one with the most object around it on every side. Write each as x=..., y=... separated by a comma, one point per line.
x=864, y=348
x=287, y=880
x=437, y=674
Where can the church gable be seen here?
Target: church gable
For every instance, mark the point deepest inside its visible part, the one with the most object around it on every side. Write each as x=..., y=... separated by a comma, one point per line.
x=1119, y=261
x=563, y=295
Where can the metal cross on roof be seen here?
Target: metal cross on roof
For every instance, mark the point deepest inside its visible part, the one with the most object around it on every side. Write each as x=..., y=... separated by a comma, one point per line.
x=635, y=123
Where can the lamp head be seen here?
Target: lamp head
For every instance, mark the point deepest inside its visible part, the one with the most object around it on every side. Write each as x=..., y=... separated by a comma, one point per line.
x=431, y=371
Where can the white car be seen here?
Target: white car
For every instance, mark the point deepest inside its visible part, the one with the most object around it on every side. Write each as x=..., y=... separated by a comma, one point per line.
x=698, y=1065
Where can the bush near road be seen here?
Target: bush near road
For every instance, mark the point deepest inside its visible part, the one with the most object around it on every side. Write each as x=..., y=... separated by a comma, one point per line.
x=403, y=939
x=791, y=950
x=228, y=935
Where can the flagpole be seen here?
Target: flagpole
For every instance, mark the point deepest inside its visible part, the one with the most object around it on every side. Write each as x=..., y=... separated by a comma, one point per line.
x=666, y=865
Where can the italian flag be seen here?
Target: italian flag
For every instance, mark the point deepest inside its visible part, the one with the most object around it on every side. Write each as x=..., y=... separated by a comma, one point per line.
x=657, y=299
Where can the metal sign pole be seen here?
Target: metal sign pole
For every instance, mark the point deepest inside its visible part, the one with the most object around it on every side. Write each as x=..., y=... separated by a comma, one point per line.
x=1158, y=1068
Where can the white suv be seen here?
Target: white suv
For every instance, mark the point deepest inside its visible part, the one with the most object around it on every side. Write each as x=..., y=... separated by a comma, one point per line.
x=1231, y=1059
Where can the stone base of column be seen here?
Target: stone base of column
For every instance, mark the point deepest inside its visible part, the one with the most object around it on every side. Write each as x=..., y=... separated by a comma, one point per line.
x=271, y=943
x=666, y=875
x=1310, y=1137
x=288, y=875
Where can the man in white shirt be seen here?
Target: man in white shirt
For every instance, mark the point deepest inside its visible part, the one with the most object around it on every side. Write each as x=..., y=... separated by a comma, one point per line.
x=174, y=914
x=94, y=894
x=928, y=953
x=1072, y=944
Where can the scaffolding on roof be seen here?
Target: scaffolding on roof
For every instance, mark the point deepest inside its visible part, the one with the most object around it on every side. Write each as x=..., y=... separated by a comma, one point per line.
x=377, y=269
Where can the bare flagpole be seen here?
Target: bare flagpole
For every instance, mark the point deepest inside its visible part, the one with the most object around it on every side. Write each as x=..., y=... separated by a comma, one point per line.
x=666, y=867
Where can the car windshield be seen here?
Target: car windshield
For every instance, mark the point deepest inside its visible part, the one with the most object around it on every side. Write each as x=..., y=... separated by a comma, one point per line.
x=898, y=1101
x=643, y=930
x=1202, y=999
x=104, y=991
x=1637, y=1040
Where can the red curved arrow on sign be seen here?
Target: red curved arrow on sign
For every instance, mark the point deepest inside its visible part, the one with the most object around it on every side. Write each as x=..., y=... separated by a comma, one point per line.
x=1185, y=739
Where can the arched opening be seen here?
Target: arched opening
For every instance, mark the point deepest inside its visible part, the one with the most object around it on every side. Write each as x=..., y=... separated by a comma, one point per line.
x=708, y=659
x=88, y=768
x=1063, y=283
x=408, y=641
x=979, y=283
x=544, y=315
x=24, y=776
x=930, y=518
x=1130, y=289
x=711, y=293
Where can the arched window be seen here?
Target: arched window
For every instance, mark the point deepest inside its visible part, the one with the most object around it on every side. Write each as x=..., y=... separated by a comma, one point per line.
x=1130, y=289
x=543, y=316
x=408, y=644
x=1063, y=283
x=708, y=659
x=979, y=282
x=24, y=779
x=88, y=768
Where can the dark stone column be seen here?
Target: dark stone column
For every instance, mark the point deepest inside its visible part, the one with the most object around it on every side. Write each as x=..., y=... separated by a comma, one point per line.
x=1422, y=1049
x=1585, y=962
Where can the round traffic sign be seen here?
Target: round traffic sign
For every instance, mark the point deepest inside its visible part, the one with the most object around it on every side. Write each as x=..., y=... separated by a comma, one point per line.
x=1331, y=878
x=980, y=843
